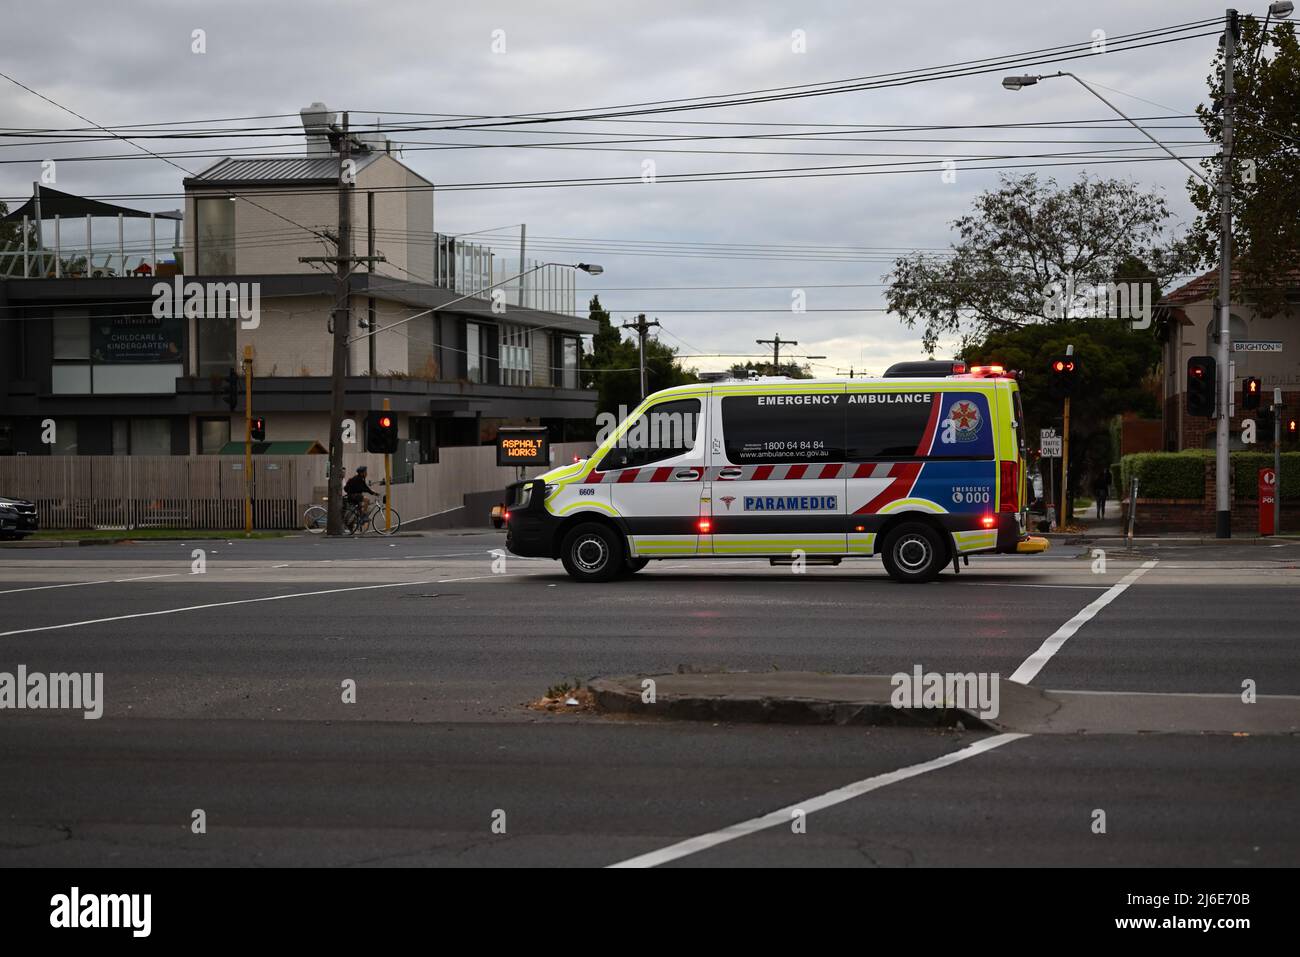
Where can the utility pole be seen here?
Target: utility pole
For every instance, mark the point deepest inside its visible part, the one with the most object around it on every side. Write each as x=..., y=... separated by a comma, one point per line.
x=343, y=260
x=1067, y=503
x=641, y=327
x=776, y=350
x=1277, y=460
x=1222, y=498
x=248, y=439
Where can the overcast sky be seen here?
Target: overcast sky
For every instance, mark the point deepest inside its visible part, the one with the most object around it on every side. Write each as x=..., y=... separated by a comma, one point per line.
x=125, y=63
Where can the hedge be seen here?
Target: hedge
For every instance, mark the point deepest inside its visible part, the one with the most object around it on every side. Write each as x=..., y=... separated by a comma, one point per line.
x=1246, y=466
x=1165, y=474
x=1182, y=474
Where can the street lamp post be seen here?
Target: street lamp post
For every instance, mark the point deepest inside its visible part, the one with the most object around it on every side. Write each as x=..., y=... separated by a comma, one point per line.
x=1223, y=514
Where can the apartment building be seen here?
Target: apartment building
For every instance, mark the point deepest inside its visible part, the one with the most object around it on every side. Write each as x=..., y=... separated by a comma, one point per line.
x=122, y=368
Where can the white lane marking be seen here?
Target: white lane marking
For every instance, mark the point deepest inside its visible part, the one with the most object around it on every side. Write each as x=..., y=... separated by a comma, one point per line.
x=1033, y=585
x=102, y=581
x=219, y=604
x=1030, y=667
x=783, y=817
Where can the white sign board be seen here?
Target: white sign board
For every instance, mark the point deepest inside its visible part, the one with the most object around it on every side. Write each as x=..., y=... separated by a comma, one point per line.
x=1256, y=345
x=1049, y=443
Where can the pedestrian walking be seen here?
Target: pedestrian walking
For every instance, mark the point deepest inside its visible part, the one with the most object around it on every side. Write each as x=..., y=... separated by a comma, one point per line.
x=1101, y=492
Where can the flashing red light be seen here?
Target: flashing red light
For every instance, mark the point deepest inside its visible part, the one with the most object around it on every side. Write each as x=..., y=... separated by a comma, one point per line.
x=859, y=528
x=385, y=422
x=959, y=368
x=705, y=525
x=988, y=521
x=987, y=370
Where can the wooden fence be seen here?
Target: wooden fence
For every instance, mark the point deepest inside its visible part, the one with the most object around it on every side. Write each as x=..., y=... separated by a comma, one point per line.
x=160, y=491
x=207, y=491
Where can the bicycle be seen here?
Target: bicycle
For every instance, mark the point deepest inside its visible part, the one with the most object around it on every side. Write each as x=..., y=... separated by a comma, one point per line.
x=315, y=519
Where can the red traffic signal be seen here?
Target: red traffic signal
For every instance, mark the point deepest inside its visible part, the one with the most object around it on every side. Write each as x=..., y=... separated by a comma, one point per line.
x=381, y=433
x=1201, y=378
x=257, y=428
x=1064, y=376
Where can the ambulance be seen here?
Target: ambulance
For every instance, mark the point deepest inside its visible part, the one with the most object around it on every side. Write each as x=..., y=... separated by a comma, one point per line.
x=922, y=468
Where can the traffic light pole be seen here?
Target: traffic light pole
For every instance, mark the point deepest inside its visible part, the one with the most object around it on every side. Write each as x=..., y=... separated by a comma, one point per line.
x=1222, y=499
x=388, y=481
x=1067, y=505
x=1277, y=461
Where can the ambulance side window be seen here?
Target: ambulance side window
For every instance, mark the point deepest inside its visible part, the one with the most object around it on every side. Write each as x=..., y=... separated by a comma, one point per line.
x=663, y=431
x=772, y=429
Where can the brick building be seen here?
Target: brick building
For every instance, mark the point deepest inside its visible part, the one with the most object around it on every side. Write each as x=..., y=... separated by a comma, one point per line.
x=1267, y=347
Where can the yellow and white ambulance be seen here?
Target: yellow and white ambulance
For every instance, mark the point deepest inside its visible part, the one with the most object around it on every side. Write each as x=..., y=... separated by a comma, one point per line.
x=918, y=467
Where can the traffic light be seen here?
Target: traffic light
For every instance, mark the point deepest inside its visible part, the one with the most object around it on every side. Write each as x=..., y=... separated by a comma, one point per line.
x=1064, y=376
x=381, y=432
x=1200, y=386
x=1250, y=390
x=257, y=428
x=1290, y=427
x=230, y=390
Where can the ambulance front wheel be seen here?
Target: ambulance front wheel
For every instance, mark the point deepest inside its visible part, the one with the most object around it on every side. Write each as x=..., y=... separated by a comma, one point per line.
x=913, y=553
x=593, y=553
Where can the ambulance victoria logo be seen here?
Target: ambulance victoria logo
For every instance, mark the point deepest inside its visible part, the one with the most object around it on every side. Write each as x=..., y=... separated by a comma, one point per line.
x=966, y=420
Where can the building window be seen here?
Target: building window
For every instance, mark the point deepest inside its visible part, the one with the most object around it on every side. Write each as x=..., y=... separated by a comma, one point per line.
x=65, y=437
x=568, y=361
x=214, y=236
x=121, y=436
x=473, y=352
x=516, y=355
x=213, y=435
x=151, y=437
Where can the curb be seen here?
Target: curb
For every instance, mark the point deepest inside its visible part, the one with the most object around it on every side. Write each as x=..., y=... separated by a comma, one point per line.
x=755, y=698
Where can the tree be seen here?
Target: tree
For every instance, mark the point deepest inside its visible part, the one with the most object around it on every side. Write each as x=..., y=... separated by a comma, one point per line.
x=1031, y=253
x=1266, y=151
x=612, y=367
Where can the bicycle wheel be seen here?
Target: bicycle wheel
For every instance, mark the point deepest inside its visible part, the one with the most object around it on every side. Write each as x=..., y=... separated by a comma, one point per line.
x=377, y=521
x=315, y=518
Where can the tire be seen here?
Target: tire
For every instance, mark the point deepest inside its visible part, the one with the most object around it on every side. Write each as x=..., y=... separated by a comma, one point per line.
x=592, y=552
x=914, y=553
x=377, y=522
x=634, y=565
x=315, y=519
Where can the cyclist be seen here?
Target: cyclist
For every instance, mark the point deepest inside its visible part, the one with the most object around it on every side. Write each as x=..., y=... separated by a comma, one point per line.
x=356, y=489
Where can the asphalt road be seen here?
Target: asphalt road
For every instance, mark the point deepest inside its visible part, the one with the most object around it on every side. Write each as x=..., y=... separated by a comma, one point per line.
x=222, y=693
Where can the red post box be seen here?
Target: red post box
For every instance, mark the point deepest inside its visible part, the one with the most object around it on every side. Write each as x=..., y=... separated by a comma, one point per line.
x=1267, y=500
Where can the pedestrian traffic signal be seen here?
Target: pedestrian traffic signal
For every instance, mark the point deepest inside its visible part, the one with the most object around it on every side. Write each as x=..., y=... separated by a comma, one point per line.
x=257, y=428
x=230, y=390
x=1064, y=376
x=381, y=433
x=1250, y=392
x=1200, y=386
x=1290, y=427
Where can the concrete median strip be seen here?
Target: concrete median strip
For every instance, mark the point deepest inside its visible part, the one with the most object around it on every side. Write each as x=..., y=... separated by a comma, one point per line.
x=812, y=698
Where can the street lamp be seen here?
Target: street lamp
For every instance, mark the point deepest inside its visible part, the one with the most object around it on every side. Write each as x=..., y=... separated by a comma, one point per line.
x=1019, y=82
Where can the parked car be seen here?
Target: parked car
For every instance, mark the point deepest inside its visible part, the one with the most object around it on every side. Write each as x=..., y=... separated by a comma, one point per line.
x=17, y=518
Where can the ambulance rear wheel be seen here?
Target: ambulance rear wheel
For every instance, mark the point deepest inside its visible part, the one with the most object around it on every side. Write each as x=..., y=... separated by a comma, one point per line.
x=914, y=553
x=593, y=553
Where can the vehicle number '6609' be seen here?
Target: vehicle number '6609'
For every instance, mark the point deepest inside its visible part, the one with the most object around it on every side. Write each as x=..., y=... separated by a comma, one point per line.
x=972, y=494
